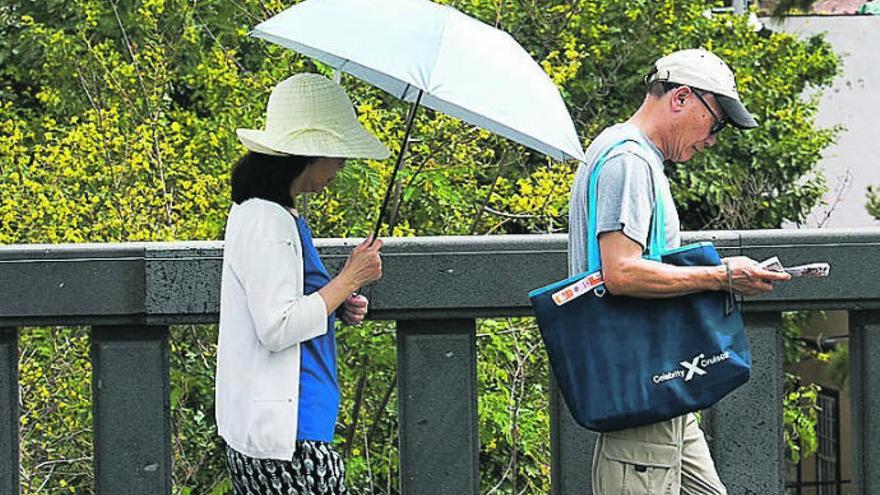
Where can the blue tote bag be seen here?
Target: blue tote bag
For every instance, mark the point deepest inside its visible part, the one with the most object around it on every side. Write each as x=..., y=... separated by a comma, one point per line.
x=622, y=362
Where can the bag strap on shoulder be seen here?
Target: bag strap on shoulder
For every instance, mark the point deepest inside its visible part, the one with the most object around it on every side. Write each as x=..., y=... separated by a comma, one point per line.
x=657, y=232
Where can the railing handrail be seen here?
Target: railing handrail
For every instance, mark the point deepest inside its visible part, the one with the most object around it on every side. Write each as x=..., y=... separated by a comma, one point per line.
x=179, y=282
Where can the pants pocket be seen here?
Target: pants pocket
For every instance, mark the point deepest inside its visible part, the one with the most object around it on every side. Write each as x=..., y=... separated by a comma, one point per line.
x=630, y=467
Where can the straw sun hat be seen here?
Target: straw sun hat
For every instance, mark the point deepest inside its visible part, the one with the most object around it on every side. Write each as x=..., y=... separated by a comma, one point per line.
x=310, y=115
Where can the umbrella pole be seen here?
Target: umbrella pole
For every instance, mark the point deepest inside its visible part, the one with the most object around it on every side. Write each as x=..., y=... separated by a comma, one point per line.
x=410, y=119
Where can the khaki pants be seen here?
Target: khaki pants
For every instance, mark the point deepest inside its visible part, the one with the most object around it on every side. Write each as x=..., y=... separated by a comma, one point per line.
x=667, y=458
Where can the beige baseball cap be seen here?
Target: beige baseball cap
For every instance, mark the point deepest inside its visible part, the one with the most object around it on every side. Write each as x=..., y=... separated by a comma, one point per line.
x=310, y=115
x=702, y=69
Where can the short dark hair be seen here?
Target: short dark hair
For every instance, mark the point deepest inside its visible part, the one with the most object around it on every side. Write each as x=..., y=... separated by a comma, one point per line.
x=660, y=88
x=257, y=175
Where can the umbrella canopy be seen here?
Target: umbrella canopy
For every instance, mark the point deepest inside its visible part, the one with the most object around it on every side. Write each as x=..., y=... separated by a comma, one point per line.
x=423, y=52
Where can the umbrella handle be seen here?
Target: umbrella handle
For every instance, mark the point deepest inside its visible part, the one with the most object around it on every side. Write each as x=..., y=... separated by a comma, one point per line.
x=410, y=119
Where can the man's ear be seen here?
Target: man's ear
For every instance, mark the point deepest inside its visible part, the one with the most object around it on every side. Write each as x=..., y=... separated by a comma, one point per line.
x=678, y=98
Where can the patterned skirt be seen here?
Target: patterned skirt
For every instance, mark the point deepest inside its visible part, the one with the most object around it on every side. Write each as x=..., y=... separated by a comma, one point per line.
x=316, y=469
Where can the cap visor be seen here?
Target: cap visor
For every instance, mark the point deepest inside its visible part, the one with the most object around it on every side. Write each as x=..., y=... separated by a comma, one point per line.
x=736, y=112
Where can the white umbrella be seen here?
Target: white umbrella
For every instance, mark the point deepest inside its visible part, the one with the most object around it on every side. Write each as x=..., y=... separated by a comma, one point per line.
x=433, y=55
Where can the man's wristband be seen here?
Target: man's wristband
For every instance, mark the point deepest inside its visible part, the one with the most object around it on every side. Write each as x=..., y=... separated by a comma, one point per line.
x=730, y=301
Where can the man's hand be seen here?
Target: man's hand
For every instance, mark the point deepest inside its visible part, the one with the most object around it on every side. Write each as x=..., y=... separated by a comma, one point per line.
x=627, y=273
x=749, y=278
x=354, y=309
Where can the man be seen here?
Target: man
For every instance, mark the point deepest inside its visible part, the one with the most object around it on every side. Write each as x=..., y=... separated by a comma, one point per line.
x=691, y=97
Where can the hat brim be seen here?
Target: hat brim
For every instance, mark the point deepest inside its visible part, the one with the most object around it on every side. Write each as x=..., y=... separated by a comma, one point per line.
x=736, y=112
x=354, y=142
x=253, y=140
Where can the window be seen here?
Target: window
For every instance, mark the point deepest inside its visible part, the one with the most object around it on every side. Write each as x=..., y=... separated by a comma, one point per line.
x=826, y=479
x=828, y=436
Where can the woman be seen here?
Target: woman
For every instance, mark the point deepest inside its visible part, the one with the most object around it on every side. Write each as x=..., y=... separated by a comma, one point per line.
x=277, y=393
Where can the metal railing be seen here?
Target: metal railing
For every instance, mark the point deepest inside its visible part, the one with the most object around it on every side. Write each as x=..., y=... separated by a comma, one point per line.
x=435, y=288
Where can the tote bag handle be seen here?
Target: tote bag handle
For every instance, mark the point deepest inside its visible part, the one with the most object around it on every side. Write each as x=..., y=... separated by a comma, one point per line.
x=657, y=232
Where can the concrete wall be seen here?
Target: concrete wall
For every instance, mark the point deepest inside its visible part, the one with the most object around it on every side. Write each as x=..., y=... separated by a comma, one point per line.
x=854, y=101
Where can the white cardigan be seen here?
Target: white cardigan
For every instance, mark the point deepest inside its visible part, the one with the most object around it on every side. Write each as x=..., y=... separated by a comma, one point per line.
x=264, y=317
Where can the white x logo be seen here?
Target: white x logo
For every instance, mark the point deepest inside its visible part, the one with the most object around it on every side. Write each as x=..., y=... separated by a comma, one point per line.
x=693, y=367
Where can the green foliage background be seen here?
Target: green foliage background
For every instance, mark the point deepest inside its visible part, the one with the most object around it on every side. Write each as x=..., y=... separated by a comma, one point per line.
x=117, y=123
x=874, y=201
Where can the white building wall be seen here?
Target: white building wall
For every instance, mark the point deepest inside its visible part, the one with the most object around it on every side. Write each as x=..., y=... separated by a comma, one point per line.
x=854, y=101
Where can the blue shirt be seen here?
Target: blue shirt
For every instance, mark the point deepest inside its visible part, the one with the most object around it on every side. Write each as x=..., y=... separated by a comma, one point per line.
x=318, y=386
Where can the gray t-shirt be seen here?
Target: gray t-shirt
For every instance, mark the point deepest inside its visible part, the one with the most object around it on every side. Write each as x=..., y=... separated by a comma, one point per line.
x=625, y=197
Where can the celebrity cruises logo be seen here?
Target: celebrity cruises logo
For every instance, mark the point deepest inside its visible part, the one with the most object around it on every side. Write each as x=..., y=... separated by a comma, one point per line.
x=697, y=366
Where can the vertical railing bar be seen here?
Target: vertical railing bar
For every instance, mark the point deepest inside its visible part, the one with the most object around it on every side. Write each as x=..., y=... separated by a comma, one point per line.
x=864, y=378
x=9, y=411
x=131, y=410
x=745, y=428
x=571, y=449
x=437, y=401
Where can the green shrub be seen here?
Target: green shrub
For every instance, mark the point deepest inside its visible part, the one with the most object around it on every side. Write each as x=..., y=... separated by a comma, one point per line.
x=117, y=123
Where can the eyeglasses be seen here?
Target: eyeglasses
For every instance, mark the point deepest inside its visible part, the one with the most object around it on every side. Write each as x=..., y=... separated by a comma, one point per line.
x=718, y=124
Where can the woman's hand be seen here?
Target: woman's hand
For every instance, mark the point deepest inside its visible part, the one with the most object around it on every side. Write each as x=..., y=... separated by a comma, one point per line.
x=749, y=278
x=354, y=309
x=364, y=265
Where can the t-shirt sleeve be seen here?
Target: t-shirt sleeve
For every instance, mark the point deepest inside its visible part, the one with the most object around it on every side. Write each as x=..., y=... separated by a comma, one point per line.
x=625, y=197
